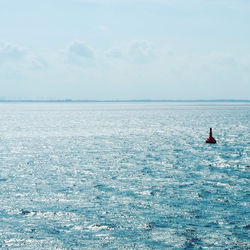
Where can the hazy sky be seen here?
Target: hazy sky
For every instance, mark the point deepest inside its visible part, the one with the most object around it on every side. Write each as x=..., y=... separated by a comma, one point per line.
x=125, y=49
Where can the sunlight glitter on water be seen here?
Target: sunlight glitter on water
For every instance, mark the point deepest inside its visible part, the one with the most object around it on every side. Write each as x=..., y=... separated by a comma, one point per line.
x=124, y=175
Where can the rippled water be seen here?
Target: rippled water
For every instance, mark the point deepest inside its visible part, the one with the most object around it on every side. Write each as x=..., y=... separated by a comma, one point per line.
x=124, y=176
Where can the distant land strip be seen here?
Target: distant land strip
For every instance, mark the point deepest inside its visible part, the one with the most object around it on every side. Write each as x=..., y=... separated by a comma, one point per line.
x=132, y=100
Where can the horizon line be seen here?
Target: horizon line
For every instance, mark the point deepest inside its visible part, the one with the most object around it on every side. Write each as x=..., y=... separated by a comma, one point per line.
x=125, y=100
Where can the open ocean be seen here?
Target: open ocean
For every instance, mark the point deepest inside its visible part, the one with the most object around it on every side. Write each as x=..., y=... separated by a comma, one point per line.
x=124, y=176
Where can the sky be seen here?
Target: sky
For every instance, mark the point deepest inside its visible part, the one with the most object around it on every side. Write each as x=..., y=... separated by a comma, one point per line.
x=124, y=49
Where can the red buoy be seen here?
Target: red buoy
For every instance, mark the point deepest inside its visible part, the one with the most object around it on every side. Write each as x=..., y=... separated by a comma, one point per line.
x=210, y=139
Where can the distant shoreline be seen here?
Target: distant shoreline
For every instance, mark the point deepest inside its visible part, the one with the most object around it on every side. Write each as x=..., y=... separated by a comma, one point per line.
x=137, y=101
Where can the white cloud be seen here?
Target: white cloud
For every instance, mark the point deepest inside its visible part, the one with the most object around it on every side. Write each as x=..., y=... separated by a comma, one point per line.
x=115, y=52
x=78, y=52
x=135, y=52
x=141, y=51
x=80, y=49
x=136, y=69
x=38, y=63
x=103, y=28
x=10, y=52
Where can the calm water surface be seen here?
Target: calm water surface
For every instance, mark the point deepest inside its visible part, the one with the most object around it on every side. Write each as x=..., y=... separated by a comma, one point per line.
x=124, y=176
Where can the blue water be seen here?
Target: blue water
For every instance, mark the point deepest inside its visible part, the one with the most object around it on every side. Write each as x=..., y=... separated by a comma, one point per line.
x=124, y=176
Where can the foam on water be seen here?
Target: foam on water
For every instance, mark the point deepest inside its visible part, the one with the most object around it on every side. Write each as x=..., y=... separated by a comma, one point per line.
x=124, y=175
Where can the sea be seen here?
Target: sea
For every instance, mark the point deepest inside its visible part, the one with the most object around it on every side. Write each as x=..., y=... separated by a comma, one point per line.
x=124, y=175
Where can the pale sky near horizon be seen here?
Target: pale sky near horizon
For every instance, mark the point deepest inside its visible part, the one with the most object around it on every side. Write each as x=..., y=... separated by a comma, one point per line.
x=125, y=49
